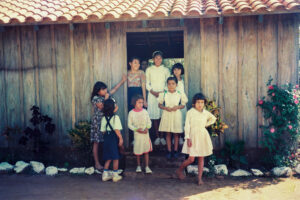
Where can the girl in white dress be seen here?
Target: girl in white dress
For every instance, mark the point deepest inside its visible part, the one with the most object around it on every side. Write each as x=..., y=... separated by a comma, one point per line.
x=178, y=71
x=171, y=102
x=139, y=122
x=197, y=139
x=156, y=76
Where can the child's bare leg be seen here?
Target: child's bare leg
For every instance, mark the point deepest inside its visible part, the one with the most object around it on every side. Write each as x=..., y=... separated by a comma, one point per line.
x=107, y=163
x=184, y=165
x=138, y=160
x=200, y=169
x=147, y=159
x=176, y=140
x=169, y=141
x=115, y=164
x=95, y=155
x=155, y=126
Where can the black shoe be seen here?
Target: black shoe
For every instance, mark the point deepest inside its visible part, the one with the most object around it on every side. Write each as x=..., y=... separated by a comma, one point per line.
x=169, y=155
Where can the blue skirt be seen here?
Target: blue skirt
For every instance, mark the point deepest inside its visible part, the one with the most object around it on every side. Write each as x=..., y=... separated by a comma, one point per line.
x=110, y=146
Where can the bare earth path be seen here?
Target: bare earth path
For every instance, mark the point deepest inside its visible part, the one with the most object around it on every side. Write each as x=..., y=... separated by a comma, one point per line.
x=160, y=185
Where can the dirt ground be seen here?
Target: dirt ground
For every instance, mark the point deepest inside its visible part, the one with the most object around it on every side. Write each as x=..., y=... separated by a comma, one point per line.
x=159, y=185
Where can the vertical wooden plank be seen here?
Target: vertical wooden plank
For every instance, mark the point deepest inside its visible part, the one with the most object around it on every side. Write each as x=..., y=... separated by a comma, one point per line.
x=267, y=62
x=3, y=112
x=72, y=65
x=247, y=81
x=229, y=71
x=192, y=57
x=27, y=52
x=64, y=85
x=82, y=73
x=13, y=98
x=20, y=68
x=209, y=63
x=221, y=79
x=118, y=68
x=287, y=65
x=46, y=79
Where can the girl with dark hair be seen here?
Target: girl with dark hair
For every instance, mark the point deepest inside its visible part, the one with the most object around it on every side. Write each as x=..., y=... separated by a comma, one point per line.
x=99, y=94
x=178, y=71
x=156, y=76
x=197, y=142
x=139, y=122
x=171, y=102
x=111, y=127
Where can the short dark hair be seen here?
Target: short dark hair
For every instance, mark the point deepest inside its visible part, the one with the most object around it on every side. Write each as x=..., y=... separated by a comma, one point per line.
x=172, y=78
x=135, y=98
x=178, y=66
x=157, y=53
x=198, y=96
x=132, y=59
x=108, y=107
x=97, y=87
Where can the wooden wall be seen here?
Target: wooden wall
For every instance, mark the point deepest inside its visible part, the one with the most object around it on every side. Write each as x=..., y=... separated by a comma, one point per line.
x=56, y=66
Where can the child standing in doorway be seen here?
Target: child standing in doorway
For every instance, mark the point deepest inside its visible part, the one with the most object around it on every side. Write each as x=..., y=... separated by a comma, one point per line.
x=171, y=102
x=139, y=122
x=156, y=77
x=178, y=72
x=99, y=94
x=197, y=142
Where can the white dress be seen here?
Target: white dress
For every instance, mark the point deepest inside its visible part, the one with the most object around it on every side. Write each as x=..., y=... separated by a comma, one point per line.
x=195, y=130
x=136, y=120
x=171, y=121
x=180, y=88
x=156, y=78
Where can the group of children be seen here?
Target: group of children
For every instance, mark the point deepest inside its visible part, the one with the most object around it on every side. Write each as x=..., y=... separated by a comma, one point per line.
x=166, y=111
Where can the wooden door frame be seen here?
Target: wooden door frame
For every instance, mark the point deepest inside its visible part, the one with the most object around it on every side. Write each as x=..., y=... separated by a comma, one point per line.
x=142, y=30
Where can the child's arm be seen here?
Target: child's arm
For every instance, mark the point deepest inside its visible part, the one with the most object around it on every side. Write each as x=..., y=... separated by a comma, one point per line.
x=211, y=119
x=143, y=79
x=118, y=133
x=124, y=78
x=187, y=129
x=164, y=108
x=148, y=83
x=99, y=105
x=130, y=122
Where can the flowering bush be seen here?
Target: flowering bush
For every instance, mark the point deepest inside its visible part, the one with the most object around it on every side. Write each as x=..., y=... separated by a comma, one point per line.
x=280, y=134
x=217, y=128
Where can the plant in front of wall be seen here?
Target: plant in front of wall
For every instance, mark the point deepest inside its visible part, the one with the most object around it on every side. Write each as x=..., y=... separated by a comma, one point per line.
x=219, y=126
x=233, y=154
x=11, y=134
x=40, y=123
x=281, y=128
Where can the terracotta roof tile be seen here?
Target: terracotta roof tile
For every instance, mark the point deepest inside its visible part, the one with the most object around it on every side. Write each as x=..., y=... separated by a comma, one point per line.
x=43, y=11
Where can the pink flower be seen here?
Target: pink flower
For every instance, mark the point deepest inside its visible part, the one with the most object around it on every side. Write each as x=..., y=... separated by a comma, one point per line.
x=297, y=86
x=293, y=155
x=295, y=97
x=274, y=107
x=260, y=102
x=296, y=101
x=290, y=126
x=273, y=94
x=271, y=87
x=294, y=90
x=272, y=130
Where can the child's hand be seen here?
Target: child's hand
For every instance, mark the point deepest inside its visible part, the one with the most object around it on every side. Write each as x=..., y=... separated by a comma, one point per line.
x=140, y=130
x=189, y=142
x=146, y=131
x=174, y=108
x=106, y=96
x=145, y=104
x=168, y=109
x=120, y=142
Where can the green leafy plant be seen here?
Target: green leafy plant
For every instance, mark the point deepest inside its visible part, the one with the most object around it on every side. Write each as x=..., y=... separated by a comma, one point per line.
x=219, y=127
x=234, y=154
x=34, y=133
x=281, y=131
x=80, y=136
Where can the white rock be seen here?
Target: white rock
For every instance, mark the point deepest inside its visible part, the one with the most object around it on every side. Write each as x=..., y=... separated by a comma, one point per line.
x=193, y=169
x=97, y=171
x=37, y=167
x=62, y=169
x=20, y=166
x=89, y=170
x=221, y=169
x=240, y=172
x=5, y=166
x=297, y=169
x=282, y=171
x=77, y=170
x=257, y=172
x=51, y=171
